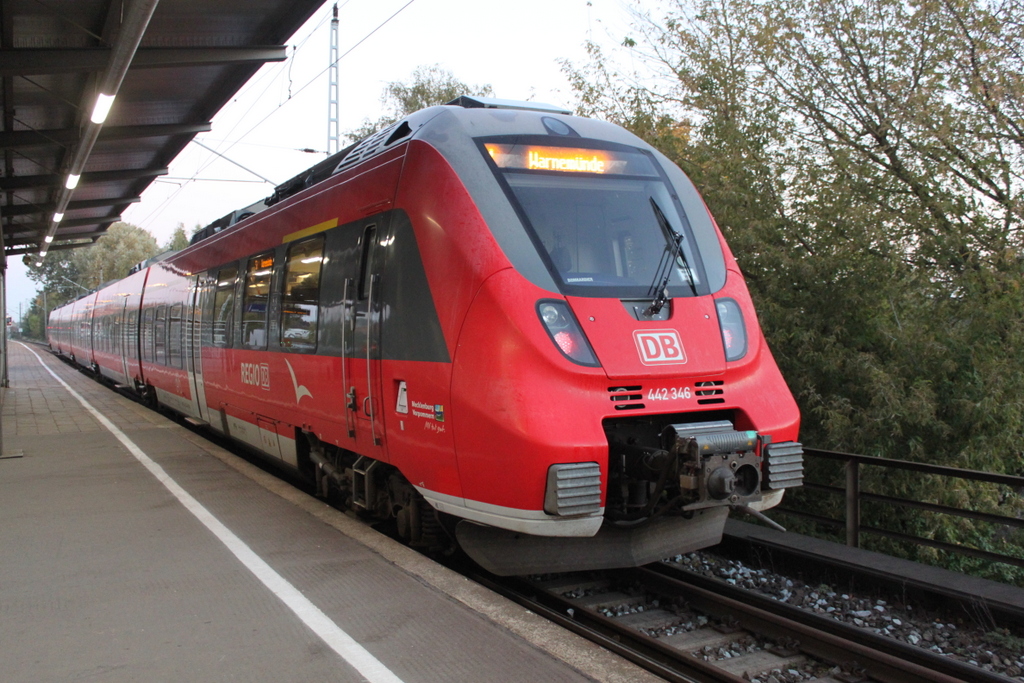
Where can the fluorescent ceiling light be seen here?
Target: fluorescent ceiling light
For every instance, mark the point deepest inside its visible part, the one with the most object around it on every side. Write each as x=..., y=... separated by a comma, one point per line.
x=72, y=181
x=58, y=217
x=102, y=108
x=49, y=238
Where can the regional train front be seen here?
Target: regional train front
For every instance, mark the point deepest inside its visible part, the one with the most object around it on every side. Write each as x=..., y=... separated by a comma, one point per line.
x=612, y=393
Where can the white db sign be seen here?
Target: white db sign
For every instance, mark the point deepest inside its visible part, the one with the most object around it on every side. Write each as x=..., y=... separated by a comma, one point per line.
x=659, y=347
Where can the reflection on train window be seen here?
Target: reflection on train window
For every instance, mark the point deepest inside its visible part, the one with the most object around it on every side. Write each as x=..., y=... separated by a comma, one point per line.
x=174, y=337
x=255, y=300
x=603, y=234
x=97, y=335
x=160, y=336
x=224, y=306
x=301, y=294
x=147, y=334
x=369, y=242
x=133, y=330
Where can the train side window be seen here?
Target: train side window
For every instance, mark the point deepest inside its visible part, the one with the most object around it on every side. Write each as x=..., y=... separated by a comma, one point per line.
x=160, y=336
x=147, y=334
x=366, y=272
x=133, y=329
x=255, y=301
x=224, y=306
x=301, y=294
x=174, y=337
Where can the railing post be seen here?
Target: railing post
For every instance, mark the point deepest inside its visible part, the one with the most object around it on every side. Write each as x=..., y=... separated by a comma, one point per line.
x=852, y=504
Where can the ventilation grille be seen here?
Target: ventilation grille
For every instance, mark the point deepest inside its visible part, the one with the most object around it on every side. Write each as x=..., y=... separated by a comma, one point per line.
x=785, y=465
x=373, y=145
x=710, y=392
x=626, y=398
x=573, y=489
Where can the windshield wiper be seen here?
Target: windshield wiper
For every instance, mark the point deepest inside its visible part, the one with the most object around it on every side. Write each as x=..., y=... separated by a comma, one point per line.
x=673, y=252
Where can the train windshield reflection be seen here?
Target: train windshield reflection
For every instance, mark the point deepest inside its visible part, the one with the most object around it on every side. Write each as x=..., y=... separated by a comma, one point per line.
x=601, y=235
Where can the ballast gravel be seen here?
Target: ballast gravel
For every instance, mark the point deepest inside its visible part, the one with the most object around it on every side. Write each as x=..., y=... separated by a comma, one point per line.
x=1000, y=651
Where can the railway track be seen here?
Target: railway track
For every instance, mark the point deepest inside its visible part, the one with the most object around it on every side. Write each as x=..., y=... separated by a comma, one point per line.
x=684, y=627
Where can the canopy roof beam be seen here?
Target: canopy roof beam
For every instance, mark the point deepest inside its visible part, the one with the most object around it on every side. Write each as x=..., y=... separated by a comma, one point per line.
x=65, y=137
x=41, y=61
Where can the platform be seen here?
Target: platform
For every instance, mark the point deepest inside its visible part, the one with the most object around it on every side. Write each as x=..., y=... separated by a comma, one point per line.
x=156, y=555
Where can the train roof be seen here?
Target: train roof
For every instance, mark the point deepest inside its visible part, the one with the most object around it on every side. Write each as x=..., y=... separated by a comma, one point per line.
x=410, y=127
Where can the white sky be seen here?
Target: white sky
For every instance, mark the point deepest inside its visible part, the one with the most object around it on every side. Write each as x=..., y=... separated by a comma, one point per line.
x=513, y=45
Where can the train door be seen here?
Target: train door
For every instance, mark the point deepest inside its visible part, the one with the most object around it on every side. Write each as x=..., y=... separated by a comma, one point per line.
x=363, y=371
x=198, y=292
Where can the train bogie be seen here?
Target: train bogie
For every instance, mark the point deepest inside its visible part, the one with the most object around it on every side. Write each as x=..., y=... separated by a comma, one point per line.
x=516, y=318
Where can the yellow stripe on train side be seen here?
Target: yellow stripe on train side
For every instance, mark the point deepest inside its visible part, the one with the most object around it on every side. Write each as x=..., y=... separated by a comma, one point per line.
x=319, y=227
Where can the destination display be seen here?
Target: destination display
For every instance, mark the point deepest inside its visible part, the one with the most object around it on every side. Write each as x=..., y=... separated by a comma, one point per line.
x=568, y=159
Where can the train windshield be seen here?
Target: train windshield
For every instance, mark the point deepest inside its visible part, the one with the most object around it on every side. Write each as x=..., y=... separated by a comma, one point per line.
x=604, y=218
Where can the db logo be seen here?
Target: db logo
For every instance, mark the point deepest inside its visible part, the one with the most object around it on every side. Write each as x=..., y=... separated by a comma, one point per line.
x=659, y=347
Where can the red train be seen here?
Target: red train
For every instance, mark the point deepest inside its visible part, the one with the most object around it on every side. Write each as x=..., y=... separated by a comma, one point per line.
x=493, y=321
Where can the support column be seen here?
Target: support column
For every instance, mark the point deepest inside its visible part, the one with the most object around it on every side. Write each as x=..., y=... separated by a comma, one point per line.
x=4, y=383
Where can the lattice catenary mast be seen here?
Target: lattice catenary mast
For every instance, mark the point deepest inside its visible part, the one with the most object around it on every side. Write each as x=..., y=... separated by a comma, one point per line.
x=332, y=88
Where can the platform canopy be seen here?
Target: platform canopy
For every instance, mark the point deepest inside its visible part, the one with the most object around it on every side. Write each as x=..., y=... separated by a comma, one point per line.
x=170, y=65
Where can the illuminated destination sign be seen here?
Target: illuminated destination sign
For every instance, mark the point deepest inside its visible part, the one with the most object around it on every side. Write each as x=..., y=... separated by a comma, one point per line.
x=564, y=159
x=568, y=159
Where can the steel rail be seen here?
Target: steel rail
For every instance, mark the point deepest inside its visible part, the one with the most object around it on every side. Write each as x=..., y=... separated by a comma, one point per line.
x=644, y=651
x=883, y=658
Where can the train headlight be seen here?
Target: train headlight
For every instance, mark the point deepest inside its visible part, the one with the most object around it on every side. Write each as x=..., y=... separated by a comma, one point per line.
x=549, y=314
x=734, y=331
x=565, y=332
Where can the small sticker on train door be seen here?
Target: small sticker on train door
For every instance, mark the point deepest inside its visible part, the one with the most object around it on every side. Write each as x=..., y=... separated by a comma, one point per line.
x=403, y=399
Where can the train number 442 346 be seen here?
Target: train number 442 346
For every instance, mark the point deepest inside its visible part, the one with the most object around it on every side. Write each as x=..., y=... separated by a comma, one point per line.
x=669, y=393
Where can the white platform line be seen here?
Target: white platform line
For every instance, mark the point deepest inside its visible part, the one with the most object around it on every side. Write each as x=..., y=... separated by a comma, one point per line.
x=352, y=652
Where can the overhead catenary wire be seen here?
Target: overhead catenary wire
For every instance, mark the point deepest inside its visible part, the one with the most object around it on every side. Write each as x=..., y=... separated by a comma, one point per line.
x=321, y=73
x=317, y=76
x=244, y=168
x=159, y=209
x=273, y=72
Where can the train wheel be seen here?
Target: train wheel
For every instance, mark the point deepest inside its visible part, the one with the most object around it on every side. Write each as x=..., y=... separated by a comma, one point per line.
x=416, y=521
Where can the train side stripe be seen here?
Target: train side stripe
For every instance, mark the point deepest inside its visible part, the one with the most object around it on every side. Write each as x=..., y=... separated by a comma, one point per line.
x=311, y=615
x=306, y=232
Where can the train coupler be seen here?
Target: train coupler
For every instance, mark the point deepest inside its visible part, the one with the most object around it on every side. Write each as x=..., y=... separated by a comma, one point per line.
x=718, y=465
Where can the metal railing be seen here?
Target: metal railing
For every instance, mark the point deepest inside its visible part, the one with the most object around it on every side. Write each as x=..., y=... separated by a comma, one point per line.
x=854, y=497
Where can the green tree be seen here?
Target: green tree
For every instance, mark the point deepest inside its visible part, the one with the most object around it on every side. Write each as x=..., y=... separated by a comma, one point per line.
x=67, y=274
x=33, y=321
x=58, y=274
x=429, y=86
x=179, y=239
x=114, y=254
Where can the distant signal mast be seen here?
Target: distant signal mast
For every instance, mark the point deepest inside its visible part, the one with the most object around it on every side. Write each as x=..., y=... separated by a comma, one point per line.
x=332, y=89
